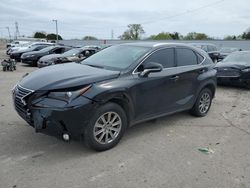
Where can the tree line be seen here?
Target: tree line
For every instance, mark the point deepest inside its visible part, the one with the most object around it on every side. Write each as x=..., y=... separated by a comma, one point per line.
x=44, y=35
x=136, y=31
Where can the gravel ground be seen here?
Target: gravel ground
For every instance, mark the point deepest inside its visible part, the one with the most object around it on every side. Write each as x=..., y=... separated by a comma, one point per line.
x=153, y=154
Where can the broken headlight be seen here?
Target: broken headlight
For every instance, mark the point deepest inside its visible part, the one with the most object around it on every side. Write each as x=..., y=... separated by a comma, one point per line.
x=68, y=95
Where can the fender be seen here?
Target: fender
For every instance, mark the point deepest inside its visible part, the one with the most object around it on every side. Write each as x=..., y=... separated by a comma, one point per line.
x=117, y=95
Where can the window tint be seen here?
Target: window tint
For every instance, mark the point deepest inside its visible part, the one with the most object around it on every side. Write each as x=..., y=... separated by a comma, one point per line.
x=185, y=57
x=58, y=50
x=40, y=47
x=165, y=57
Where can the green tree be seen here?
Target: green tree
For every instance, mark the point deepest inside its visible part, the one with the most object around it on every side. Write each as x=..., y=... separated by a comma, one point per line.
x=40, y=35
x=89, y=38
x=246, y=35
x=175, y=36
x=161, y=36
x=52, y=36
x=230, y=37
x=196, y=36
x=133, y=32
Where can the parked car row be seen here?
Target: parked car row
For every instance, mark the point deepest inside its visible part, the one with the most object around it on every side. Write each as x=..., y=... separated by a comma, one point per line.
x=32, y=57
x=43, y=54
x=72, y=55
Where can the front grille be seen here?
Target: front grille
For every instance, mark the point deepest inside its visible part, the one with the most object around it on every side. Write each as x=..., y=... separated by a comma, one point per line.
x=228, y=72
x=20, y=96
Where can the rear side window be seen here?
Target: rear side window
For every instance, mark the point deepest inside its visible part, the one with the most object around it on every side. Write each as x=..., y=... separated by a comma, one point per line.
x=40, y=47
x=165, y=57
x=186, y=57
x=200, y=58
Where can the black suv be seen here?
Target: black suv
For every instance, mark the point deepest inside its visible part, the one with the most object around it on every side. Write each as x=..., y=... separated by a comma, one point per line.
x=211, y=49
x=99, y=98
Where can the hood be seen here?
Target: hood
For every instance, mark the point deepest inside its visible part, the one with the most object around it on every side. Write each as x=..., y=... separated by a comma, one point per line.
x=235, y=65
x=65, y=76
x=49, y=57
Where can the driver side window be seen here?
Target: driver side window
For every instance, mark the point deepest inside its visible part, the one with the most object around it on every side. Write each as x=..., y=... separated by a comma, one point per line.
x=58, y=51
x=165, y=57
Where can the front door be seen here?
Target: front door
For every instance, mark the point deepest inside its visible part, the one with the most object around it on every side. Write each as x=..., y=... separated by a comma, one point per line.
x=153, y=94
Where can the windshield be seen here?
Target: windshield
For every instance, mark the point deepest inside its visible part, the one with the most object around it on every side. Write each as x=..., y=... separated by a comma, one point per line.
x=243, y=57
x=228, y=50
x=47, y=49
x=72, y=52
x=116, y=57
x=32, y=47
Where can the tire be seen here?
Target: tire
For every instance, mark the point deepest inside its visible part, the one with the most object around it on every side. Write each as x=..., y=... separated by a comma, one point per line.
x=101, y=136
x=202, y=104
x=4, y=68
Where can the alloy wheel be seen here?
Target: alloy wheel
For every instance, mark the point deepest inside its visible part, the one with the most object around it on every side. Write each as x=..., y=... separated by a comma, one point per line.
x=107, y=127
x=204, y=103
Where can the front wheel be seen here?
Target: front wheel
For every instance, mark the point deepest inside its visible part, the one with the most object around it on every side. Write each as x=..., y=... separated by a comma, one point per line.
x=106, y=127
x=202, y=104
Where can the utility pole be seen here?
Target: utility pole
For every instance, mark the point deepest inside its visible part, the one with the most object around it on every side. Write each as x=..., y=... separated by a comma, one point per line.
x=112, y=34
x=9, y=32
x=17, y=34
x=56, y=30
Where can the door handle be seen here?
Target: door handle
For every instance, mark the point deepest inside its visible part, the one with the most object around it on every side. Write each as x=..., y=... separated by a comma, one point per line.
x=175, y=78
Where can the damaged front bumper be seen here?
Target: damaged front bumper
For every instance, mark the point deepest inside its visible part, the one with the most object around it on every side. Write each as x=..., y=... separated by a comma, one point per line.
x=55, y=117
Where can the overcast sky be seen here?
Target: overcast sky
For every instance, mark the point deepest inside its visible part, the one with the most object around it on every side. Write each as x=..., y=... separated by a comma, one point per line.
x=78, y=18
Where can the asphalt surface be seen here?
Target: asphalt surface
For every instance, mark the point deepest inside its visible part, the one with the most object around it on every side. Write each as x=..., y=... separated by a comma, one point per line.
x=152, y=154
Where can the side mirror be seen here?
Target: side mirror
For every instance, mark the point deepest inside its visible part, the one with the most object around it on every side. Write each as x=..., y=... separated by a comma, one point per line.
x=151, y=67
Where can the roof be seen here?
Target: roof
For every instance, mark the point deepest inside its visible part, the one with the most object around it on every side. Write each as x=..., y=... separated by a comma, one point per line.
x=198, y=43
x=154, y=44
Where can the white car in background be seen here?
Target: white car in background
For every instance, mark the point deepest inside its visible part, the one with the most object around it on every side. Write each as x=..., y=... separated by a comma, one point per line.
x=26, y=46
x=17, y=43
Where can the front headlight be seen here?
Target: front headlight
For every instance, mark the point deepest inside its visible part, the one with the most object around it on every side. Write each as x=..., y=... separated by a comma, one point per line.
x=246, y=70
x=68, y=95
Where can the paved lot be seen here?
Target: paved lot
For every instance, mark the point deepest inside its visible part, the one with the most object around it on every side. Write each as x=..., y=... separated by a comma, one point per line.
x=153, y=154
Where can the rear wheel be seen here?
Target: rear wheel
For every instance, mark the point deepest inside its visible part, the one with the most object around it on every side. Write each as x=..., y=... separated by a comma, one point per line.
x=202, y=104
x=106, y=127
